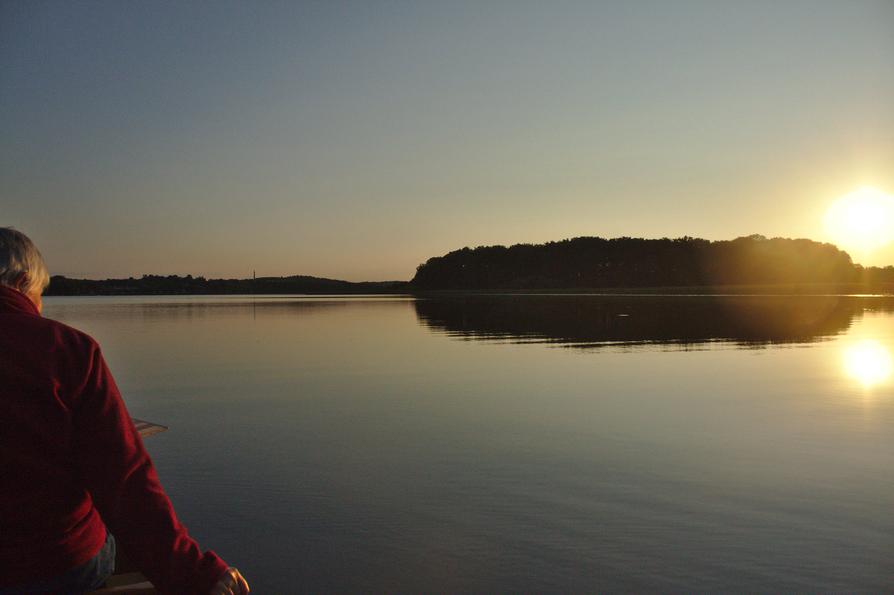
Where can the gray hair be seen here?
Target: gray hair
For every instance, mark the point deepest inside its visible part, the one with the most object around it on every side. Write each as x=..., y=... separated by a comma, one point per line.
x=19, y=256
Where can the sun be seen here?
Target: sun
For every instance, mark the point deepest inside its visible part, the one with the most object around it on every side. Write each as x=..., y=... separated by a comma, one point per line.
x=862, y=221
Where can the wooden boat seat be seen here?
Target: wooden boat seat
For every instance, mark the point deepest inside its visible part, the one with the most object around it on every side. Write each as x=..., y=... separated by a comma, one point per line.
x=131, y=583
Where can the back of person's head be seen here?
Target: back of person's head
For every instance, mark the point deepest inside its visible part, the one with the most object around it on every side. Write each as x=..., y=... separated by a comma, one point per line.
x=21, y=265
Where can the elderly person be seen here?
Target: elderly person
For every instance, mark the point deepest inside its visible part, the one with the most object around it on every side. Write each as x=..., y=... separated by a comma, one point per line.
x=73, y=470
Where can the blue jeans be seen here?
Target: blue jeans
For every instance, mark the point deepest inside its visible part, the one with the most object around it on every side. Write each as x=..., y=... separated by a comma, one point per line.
x=80, y=579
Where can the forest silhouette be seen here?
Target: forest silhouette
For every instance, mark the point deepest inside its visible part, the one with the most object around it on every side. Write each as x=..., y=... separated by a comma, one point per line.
x=592, y=262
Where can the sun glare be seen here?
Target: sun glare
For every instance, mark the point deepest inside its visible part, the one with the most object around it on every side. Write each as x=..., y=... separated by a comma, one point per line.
x=868, y=362
x=861, y=221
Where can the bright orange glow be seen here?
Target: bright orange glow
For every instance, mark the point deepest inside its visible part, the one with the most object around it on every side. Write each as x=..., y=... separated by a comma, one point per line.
x=868, y=362
x=862, y=221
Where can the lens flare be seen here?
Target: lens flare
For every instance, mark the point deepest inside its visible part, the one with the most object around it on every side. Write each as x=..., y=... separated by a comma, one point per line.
x=868, y=362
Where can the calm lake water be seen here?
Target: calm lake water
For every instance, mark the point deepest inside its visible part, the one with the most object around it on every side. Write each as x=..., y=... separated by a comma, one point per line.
x=519, y=443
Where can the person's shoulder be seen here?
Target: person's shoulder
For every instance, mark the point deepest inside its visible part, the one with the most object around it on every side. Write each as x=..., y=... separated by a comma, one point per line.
x=66, y=337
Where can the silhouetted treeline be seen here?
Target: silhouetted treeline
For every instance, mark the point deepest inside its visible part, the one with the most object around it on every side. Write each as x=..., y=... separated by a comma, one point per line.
x=876, y=277
x=173, y=284
x=599, y=320
x=590, y=262
x=580, y=263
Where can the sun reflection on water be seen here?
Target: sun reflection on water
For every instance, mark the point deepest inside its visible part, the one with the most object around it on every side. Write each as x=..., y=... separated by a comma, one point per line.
x=868, y=362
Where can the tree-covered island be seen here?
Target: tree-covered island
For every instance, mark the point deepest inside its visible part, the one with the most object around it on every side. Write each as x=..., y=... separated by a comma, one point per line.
x=635, y=263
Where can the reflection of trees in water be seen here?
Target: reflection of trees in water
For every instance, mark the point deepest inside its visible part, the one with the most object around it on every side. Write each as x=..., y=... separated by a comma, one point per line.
x=593, y=320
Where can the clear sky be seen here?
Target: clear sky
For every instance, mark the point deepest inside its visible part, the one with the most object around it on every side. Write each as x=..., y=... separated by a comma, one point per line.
x=356, y=139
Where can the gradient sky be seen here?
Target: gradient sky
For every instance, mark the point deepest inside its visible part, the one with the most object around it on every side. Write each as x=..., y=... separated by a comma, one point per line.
x=356, y=139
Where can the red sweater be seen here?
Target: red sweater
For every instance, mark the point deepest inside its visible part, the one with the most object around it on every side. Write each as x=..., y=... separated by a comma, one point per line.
x=72, y=464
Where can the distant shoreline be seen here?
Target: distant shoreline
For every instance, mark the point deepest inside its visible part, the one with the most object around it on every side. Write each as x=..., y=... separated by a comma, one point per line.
x=585, y=265
x=698, y=290
x=405, y=289
x=189, y=285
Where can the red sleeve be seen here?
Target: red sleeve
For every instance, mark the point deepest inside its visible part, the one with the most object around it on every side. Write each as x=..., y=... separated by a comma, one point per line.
x=122, y=481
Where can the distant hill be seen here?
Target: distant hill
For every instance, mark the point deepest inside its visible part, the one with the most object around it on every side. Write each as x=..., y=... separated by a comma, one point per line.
x=175, y=285
x=592, y=262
